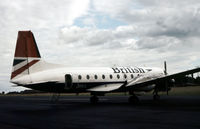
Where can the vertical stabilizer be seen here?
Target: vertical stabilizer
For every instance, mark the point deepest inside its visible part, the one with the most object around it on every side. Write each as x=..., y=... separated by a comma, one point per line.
x=26, y=54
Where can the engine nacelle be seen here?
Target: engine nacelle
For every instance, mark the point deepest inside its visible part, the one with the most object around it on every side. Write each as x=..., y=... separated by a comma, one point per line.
x=146, y=88
x=165, y=85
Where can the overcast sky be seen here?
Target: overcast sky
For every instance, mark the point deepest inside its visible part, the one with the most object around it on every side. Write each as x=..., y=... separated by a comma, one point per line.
x=103, y=33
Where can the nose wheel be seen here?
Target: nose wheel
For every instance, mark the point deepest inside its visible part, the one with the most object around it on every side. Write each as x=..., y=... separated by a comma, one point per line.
x=55, y=97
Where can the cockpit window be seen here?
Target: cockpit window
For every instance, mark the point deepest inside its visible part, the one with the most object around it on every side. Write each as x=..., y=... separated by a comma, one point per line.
x=149, y=70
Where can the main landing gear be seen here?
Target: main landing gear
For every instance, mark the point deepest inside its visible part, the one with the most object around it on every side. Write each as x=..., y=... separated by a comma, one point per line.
x=156, y=97
x=55, y=97
x=94, y=99
x=133, y=99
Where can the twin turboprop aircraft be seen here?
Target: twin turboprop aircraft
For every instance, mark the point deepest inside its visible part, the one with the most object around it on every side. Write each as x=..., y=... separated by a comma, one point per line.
x=29, y=70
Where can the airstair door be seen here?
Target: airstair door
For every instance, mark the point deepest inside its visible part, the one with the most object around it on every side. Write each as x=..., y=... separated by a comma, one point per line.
x=68, y=81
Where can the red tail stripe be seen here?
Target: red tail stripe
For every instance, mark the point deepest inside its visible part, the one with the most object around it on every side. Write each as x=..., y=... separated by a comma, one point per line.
x=26, y=45
x=20, y=70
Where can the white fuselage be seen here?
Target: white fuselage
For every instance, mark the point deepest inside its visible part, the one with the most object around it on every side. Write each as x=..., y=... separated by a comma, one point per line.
x=90, y=75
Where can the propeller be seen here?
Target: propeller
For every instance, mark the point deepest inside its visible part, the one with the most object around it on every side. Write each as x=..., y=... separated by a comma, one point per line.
x=165, y=67
x=165, y=72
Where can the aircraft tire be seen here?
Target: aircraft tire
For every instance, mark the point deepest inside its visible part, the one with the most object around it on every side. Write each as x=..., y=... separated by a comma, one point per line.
x=156, y=97
x=133, y=99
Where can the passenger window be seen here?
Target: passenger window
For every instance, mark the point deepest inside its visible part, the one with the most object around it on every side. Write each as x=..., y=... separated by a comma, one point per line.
x=118, y=76
x=111, y=76
x=88, y=77
x=95, y=76
x=125, y=76
x=103, y=76
x=79, y=77
x=131, y=75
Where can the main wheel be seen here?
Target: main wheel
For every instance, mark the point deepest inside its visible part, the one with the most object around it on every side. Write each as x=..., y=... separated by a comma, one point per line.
x=133, y=99
x=94, y=99
x=156, y=97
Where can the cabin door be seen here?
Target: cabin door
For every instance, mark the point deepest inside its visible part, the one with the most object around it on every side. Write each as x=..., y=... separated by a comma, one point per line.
x=68, y=81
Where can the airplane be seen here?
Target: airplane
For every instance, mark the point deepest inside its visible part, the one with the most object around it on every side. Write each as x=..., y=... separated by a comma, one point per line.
x=31, y=71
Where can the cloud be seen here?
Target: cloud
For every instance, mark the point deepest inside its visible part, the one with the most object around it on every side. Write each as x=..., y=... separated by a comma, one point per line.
x=104, y=38
x=156, y=18
x=119, y=47
x=40, y=14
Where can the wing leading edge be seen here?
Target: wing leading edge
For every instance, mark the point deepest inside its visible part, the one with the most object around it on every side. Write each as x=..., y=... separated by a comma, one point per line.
x=151, y=81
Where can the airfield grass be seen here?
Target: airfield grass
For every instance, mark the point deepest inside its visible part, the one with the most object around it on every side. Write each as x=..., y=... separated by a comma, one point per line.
x=181, y=91
x=189, y=90
x=175, y=91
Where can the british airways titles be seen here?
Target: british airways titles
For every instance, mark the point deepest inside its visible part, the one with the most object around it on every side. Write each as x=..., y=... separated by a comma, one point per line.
x=128, y=70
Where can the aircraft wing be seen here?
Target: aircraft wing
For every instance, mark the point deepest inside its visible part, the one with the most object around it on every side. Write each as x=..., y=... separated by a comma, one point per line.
x=172, y=76
x=106, y=87
x=144, y=81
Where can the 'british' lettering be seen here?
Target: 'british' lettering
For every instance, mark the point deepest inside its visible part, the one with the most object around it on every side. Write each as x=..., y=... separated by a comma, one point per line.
x=128, y=70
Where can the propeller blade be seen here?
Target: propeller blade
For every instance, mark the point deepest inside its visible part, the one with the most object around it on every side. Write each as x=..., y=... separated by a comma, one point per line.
x=165, y=67
x=166, y=83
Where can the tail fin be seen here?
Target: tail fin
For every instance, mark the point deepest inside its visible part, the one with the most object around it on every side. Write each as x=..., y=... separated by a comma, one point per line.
x=26, y=54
